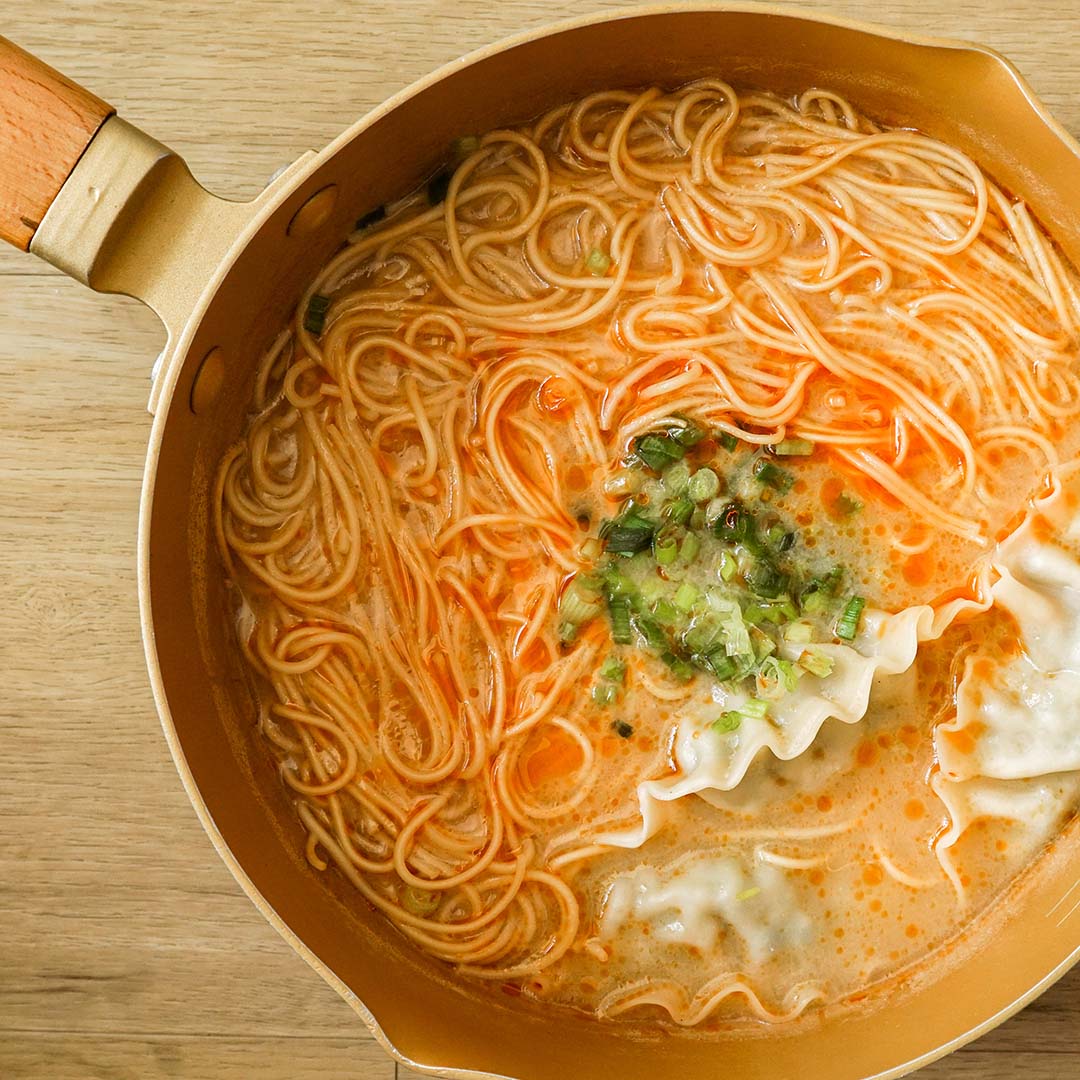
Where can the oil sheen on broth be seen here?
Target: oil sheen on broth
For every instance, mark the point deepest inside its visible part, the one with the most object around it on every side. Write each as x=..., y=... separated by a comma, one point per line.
x=653, y=546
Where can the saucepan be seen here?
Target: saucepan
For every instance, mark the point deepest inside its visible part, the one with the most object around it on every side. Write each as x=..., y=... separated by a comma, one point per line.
x=116, y=209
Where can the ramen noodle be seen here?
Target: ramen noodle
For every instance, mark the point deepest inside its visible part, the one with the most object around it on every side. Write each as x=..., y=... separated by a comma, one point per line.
x=655, y=552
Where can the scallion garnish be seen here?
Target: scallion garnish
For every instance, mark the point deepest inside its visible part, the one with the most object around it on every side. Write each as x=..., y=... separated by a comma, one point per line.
x=799, y=632
x=315, y=316
x=688, y=434
x=463, y=146
x=628, y=539
x=728, y=566
x=665, y=548
x=421, y=902
x=690, y=547
x=622, y=729
x=729, y=442
x=597, y=263
x=703, y=485
x=676, y=478
x=754, y=708
x=682, y=671
x=658, y=451
x=604, y=694
x=727, y=722
x=652, y=633
x=847, y=506
x=438, y=186
x=372, y=217
x=619, y=610
x=613, y=669
x=793, y=448
x=748, y=894
x=765, y=579
x=817, y=662
x=679, y=511
x=686, y=596
x=580, y=602
x=848, y=623
x=765, y=472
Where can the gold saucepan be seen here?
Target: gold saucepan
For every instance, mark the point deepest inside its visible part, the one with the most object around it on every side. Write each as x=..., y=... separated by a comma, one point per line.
x=119, y=211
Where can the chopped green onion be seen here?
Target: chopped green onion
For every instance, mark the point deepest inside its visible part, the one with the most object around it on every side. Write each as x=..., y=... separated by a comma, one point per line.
x=652, y=633
x=616, y=583
x=776, y=677
x=666, y=613
x=591, y=549
x=755, y=708
x=780, y=538
x=372, y=217
x=658, y=451
x=315, y=316
x=665, y=548
x=686, y=596
x=763, y=644
x=579, y=603
x=679, y=667
x=679, y=510
x=720, y=664
x=766, y=580
x=689, y=434
x=691, y=545
x=702, y=633
x=727, y=722
x=463, y=146
x=728, y=565
x=755, y=613
x=818, y=663
x=729, y=442
x=613, y=669
x=567, y=632
x=422, y=902
x=704, y=485
x=848, y=623
x=597, y=263
x=815, y=602
x=732, y=625
x=619, y=610
x=799, y=632
x=765, y=472
x=847, y=506
x=438, y=186
x=628, y=539
x=604, y=694
x=748, y=894
x=622, y=729
x=793, y=448
x=676, y=478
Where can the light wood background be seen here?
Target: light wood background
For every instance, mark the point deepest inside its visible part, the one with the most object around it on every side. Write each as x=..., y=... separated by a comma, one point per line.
x=126, y=949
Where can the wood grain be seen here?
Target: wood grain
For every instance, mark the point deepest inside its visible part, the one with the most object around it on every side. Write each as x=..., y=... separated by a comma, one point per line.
x=126, y=949
x=46, y=122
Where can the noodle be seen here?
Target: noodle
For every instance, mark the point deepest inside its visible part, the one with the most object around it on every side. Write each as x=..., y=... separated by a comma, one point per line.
x=410, y=494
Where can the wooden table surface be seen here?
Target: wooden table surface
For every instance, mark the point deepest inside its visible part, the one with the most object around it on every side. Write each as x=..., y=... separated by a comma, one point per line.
x=126, y=948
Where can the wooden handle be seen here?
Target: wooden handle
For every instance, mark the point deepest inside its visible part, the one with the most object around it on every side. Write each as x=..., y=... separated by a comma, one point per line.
x=46, y=122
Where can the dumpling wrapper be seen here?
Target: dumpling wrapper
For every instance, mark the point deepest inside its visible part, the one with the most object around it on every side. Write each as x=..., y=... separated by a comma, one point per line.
x=690, y=900
x=1024, y=721
x=709, y=761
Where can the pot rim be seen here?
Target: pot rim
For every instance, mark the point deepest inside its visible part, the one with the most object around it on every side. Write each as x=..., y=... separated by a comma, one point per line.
x=167, y=379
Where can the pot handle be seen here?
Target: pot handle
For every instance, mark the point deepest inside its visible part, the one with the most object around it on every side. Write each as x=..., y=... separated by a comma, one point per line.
x=46, y=122
x=110, y=206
